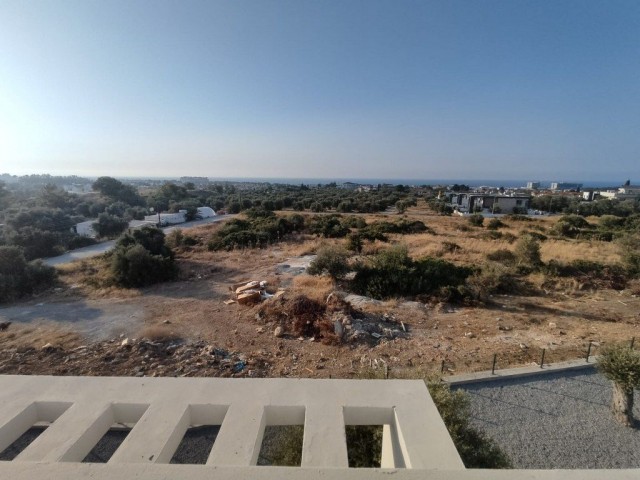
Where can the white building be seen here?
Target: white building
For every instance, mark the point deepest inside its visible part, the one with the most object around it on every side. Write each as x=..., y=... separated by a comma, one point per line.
x=206, y=212
x=85, y=229
x=167, y=218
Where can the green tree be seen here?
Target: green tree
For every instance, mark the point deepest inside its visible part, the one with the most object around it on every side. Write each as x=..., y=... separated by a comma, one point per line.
x=109, y=225
x=621, y=364
x=117, y=191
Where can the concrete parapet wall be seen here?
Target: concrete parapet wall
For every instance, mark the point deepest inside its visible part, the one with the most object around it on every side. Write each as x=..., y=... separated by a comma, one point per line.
x=80, y=410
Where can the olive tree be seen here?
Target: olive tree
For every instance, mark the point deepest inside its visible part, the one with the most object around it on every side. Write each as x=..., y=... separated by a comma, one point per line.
x=621, y=364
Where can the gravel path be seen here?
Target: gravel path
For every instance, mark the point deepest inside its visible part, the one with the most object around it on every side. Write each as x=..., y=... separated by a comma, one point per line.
x=560, y=420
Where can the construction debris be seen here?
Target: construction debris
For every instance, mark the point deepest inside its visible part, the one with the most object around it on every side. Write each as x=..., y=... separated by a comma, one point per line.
x=250, y=292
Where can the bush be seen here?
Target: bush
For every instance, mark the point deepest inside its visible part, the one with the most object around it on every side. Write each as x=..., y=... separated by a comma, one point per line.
x=19, y=278
x=141, y=258
x=476, y=220
x=495, y=224
x=392, y=273
x=620, y=364
x=450, y=247
x=331, y=260
x=503, y=256
x=137, y=267
x=475, y=448
x=493, y=279
x=527, y=252
x=630, y=253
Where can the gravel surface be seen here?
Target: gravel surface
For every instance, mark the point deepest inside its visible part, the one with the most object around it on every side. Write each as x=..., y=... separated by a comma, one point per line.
x=559, y=420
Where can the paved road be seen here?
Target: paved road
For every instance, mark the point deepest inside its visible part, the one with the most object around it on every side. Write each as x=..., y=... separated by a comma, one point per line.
x=100, y=248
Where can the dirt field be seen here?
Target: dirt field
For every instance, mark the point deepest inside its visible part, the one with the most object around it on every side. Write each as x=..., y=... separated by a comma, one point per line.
x=562, y=316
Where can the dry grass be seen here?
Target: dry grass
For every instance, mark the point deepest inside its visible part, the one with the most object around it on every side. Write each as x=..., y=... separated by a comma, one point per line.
x=37, y=336
x=569, y=250
x=315, y=287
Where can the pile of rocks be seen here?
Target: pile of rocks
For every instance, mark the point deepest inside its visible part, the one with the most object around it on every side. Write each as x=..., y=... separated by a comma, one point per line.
x=131, y=357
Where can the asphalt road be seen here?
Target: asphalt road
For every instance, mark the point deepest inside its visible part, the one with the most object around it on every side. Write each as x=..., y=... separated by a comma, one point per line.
x=100, y=248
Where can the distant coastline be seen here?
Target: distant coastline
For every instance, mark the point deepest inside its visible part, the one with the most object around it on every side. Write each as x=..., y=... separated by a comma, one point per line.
x=406, y=181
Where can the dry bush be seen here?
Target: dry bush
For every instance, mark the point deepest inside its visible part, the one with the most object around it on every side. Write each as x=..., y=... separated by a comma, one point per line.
x=159, y=333
x=302, y=245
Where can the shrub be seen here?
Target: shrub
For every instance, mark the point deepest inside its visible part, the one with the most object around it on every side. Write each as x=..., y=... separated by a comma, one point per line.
x=354, y=242
x=476, y=220
x=392, y=272
x=141, y=258
x=135, y=266
x=493, y=279
x=495, y=224
x=331, y=260
x=502, y=255
x=629, y=246
x=475, y=448
x=19, y=278
x=450, y=247
x=621, y=364
x=527, y=252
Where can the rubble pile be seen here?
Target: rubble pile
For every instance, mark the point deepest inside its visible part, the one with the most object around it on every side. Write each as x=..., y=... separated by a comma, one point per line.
x=332, y=322
x=131, y=357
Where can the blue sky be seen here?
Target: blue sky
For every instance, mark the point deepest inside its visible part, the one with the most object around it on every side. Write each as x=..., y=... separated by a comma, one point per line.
x=362, y=89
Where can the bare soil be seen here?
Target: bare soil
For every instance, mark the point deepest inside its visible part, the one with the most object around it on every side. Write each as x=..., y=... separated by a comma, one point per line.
x=562, y=317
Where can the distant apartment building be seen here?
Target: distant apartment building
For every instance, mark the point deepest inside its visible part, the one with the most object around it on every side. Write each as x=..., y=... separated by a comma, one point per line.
x=565, y=186
x=490, y=203
x=533, y=185
x=626, y=192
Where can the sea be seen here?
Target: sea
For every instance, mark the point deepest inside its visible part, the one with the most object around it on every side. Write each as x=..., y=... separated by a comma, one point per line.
x=413, y=181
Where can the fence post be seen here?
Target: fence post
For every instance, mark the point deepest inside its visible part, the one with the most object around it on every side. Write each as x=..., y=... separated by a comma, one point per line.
x=442, y=367
x=589, y=351
x=542, y=359
x=633, y=340
x=493, y=367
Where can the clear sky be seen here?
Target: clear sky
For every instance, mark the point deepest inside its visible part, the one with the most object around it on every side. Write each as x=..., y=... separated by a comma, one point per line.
x=351, y=88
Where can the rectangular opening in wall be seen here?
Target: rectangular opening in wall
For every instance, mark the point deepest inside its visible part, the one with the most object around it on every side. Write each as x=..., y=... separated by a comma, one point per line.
x=200, y=435
x=283, y=436
x=123, y=418
x=373, y=440
x=22, y=430
x=364, y=445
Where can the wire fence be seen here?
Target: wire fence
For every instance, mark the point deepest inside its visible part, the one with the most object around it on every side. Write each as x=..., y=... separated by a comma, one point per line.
x=542, y=357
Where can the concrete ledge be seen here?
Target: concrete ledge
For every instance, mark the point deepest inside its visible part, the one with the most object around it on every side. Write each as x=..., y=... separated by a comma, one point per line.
x=520, y=372
x=37, y=471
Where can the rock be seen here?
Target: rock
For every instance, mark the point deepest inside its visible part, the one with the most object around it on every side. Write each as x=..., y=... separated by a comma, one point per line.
x=338, y=328
x=552, y=325
x=4, y=326
x=278, y=332
x=125, y=343
x=470, y=335
x=523, y=346
x=47, y=347
x=167, y=322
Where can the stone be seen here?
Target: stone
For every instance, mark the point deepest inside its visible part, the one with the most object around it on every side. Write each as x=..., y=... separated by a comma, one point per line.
x=125, y=343
x=278, y=332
